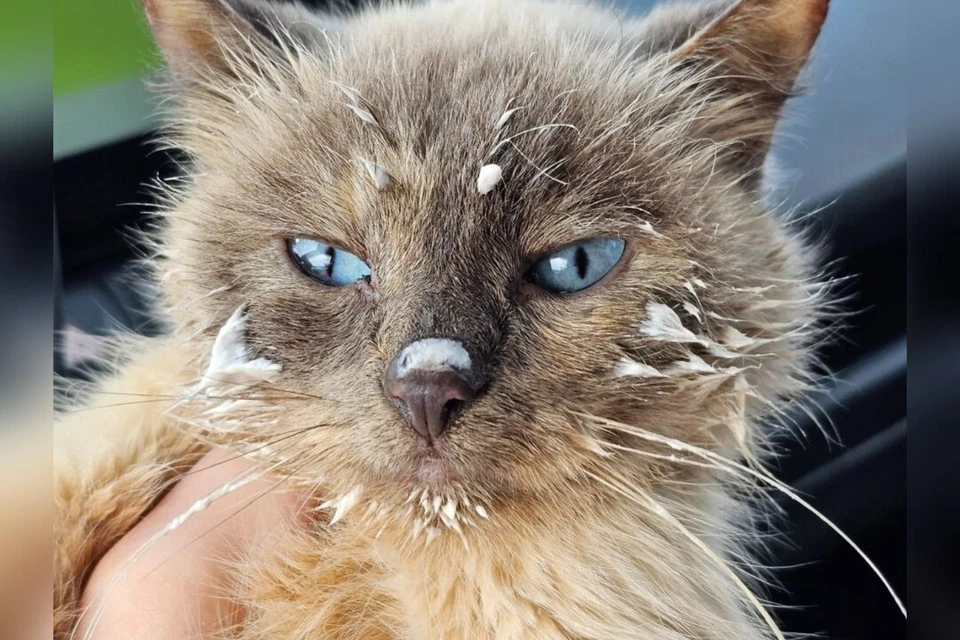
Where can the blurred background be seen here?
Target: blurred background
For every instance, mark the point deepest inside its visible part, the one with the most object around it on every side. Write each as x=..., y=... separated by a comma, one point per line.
x=843, y=153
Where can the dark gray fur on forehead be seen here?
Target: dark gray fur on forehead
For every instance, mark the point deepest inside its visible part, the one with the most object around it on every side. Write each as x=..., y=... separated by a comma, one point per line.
x=438, y=85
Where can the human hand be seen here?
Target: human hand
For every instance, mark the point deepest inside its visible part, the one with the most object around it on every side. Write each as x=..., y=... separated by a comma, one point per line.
x=180, y=586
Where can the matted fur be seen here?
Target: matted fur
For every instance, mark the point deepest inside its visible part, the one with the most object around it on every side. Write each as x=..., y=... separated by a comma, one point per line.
x=559, y=516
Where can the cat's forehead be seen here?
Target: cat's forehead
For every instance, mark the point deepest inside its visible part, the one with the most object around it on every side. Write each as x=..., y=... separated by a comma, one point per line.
x=387, y=142
x=437, y=139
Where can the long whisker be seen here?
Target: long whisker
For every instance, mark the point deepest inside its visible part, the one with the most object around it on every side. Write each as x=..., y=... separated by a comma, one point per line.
x=653, y=505
x=687, y=461
x=114, y=405
x=285, y=435
x=763, y=476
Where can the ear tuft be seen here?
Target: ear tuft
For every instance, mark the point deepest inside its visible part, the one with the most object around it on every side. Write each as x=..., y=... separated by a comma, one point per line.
x=195, y=35
x=187, y=31
x=765, y=40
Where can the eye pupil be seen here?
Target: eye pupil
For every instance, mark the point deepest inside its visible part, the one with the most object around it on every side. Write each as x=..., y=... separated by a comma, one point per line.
x=581, y=261
x=331, y=254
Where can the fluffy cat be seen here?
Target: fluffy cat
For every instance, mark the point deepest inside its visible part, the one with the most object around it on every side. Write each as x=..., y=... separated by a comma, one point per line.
x=498, y=280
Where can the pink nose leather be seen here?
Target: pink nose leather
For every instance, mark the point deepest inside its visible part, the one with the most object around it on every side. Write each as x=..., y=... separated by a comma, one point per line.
x=429, y=399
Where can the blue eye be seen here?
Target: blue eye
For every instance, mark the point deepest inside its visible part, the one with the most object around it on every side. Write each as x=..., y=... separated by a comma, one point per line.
x=327, y=264
x=578, y=266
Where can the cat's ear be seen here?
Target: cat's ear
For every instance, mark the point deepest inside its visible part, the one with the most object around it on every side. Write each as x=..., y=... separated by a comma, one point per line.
x=747, y=54
x=761, y=41
x=199, y=36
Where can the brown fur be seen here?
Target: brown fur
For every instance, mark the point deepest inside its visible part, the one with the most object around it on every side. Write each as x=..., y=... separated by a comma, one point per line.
x=655, y=132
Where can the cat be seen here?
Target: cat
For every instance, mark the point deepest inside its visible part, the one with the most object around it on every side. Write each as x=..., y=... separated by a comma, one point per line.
x=496, y=278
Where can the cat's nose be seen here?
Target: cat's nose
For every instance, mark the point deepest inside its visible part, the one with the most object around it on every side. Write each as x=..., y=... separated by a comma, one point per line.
x=430, y=380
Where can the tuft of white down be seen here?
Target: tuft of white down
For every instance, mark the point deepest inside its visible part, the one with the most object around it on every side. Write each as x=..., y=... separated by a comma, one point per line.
x=342, y=504
x=378, y=173
x=631, y=368
x=450, y=511
x=230, y=361
x=502, y=121
x=663, y=323
x=490, y=175
x=364, y=115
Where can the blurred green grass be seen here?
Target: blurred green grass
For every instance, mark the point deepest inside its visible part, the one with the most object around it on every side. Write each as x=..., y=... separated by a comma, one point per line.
x=99, y=42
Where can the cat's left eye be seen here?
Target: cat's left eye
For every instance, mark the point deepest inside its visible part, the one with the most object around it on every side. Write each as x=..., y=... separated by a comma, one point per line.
x=578, y=266
x=327, y=264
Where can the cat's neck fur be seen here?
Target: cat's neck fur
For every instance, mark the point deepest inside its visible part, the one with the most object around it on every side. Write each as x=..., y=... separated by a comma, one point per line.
x=612, y=568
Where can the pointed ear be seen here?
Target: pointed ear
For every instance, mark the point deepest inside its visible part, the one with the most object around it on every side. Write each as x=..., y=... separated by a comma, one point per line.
x=765, y=41
x=198, y=36
x=749, y=54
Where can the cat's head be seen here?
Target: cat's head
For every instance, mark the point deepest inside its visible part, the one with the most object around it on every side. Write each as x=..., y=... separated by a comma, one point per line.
x=485, y=240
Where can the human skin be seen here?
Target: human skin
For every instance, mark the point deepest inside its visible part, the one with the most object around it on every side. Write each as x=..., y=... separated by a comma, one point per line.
x=179, y=587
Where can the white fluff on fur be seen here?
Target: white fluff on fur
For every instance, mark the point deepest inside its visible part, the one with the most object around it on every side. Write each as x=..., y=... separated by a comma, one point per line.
x=230, y=361
x=379, y=174
x=631, y=368
x=490, y=175
x=433, y=354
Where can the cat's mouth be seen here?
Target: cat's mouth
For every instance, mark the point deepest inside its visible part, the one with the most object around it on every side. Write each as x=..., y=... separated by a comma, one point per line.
x=433, y=468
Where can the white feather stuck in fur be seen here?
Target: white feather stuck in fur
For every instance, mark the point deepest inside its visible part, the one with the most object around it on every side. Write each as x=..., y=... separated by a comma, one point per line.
x=490, y=175
x=506, y=117
x=230, y=361
x=693, y=364
x=351, y=92
x=735, y=339
x=738, y=341
x=663, y=323
x=231, y=370
x=718, y=350
x=631, y=368
x=647, y=227
x=342, y=505
x=364, y=115
x=378, y=173
x=691, y=308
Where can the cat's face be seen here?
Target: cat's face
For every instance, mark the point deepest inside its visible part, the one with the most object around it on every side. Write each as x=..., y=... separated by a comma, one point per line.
x=622, y=194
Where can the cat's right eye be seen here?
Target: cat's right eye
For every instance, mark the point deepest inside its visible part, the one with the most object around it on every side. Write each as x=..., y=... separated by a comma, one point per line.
x=327, y=264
